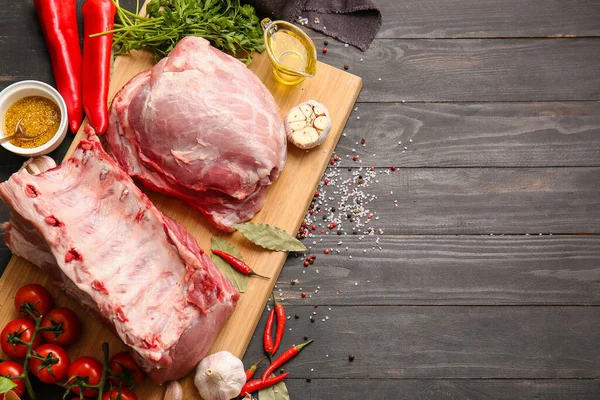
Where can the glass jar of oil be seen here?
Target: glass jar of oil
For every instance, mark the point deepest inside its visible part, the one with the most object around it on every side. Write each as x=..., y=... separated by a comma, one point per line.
x=292, y=53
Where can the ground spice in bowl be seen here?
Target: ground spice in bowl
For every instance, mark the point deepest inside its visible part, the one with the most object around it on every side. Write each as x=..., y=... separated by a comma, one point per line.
x=38, y=115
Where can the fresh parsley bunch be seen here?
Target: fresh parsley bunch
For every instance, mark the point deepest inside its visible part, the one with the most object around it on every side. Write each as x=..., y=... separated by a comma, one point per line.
x=227, y=24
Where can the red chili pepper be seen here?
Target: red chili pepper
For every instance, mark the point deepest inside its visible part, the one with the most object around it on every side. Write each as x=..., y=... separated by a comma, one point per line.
x=283, y=358
x=258, y=384
x=238, y=264
x=280, y=313
x=268, y=335
x=250, y=371
x=58, y=20
x=98, y=16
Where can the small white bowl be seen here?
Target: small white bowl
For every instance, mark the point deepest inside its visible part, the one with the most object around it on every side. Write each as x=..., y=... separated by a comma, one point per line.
x=17, y=91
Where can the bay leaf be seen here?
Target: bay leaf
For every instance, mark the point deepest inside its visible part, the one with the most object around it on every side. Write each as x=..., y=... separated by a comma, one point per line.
x=6, y=384
x=276, y=392
x=269, y=237
x=237, y=279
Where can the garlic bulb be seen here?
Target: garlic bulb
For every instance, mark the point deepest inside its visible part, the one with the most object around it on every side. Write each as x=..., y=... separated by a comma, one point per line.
x=37, y=165
x=174, y=391
x=220, y=376
x=307, y=124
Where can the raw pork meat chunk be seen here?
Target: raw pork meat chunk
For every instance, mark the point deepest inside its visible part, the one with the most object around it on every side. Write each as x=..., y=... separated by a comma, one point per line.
x=105, y=244
x=202, y=127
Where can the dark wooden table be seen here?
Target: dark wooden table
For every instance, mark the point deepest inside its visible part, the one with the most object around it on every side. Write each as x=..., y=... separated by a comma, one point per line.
x=487, y=283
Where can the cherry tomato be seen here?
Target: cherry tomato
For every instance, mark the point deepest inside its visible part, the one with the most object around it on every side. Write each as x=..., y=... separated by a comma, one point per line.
x=69, y=323
x=37, y=295
x=54, y=372
x=114, y=395
x=8, y=369
x=22, y=328
x=85, y=367
x=123, y=365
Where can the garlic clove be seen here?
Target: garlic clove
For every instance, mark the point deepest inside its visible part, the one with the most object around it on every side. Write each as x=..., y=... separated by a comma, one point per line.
x=37, y=165
x=174, y=391
x=318, y=111
x=307, y=124
x=296, y=126
x=295, y=115
x=322, y=123
x=10, y=395
x=305, y=136
x=306, y=110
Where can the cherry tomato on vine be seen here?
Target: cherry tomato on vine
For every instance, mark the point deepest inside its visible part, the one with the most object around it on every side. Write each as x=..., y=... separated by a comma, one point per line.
x=85, y=367
x=23, y=329
x=37, y=295
x=65, y=320
x=50, y=371
x=114, y=395
x=8, y=369
x=123, y=365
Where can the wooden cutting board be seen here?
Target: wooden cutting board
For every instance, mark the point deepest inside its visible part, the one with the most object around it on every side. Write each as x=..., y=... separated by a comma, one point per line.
x=285, y=206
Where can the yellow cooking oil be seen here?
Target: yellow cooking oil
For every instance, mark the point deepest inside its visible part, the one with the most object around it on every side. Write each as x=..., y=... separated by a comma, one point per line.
x=291, y=51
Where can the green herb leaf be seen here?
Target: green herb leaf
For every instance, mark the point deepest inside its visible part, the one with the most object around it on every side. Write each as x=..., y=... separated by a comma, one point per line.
x=227, y=24
x=276, y=392
x=238, y=280
x=269, y=237
x=6, y=384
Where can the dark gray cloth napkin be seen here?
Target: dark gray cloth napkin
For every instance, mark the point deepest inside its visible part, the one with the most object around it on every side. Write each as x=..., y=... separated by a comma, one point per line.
x=352, y=21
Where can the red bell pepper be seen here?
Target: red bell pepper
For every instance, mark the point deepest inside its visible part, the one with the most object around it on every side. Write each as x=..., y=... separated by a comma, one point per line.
x=58, y=20
x=98, y=16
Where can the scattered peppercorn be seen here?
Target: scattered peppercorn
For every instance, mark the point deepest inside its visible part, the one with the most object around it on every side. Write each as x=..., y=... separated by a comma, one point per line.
x=326, y=43
x=346, y=66
x=393, y=167
x=355, y=158
x=324, y=50
x=314, y=227
x=305, y=338
x=326, y=251
x=308, y=380
x=281, y=371
x=303, y=294
x=351, y=357
x=306, y=263
x=296, y=316
x=293, y=282
x=332, y=209
x=316, y=194
x=326, y=181
x=339, y=232
x=362, y=141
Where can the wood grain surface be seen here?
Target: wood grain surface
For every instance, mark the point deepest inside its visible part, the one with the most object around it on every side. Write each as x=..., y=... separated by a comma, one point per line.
x=477, y=200
x=284, y=207
x=395, y=70
x=447, y=270
x=444, y=389
x=488, y=18
x=475, y=134
x=443, y=342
